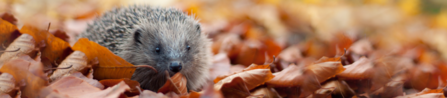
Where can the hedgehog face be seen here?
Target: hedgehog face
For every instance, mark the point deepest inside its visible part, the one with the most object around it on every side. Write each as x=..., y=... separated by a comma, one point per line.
x=168, y=47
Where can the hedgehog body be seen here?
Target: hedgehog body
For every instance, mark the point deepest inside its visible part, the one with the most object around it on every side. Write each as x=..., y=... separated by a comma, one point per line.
x=164, y=38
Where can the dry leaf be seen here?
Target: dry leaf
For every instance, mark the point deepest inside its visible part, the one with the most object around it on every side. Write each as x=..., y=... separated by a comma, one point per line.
x=134, y=85
x=55, y=49
x=150, y=94
x=9, y=17
x=426, y=93
x=26, y=70
x=23, y=45
x=7, y=83
x=251, y=78
x=326, y=70
x=360, y=69
x=75, y=62
x=90, y=81
x=71, y=86
x=236, y=87
x=221, y=65
x=8, y=33
x=322, y=93
x=176, y=83
x=266, y=93
x=110, y=65
x=251, y=67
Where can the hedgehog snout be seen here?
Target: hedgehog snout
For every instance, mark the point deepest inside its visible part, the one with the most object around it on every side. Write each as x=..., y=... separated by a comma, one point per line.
x=175, y=66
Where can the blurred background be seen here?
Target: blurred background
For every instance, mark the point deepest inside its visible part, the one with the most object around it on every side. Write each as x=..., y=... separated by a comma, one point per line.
x=416, y=29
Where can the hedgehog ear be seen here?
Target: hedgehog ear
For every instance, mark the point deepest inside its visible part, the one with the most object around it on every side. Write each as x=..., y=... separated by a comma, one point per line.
x=199, y=29
x=137, y=35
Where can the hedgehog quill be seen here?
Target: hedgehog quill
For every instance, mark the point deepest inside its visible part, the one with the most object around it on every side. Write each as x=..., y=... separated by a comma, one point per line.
x=164, y=38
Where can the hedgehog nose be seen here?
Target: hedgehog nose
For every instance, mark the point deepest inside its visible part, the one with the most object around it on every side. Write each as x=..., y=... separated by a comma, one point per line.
x=175, y=66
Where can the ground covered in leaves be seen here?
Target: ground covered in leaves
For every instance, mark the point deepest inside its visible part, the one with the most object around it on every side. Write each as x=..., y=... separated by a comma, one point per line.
x=262, y=48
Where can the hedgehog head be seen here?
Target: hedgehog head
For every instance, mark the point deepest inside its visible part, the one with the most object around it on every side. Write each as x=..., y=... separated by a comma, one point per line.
x=168, y=45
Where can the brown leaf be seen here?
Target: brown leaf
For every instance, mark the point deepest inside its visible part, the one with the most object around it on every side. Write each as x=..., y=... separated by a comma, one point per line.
x=24, y=69
x=360, y=69
x=341, y=88
x=323, y=93
x=290, y=76
x=176, y=83
x=291, y=54
x=9, y=17
x=75, y=62
x=426, y=93
x=266, y=93
x=134, y=85
x=251, y=67
x=8, y=33
x=90, y=81
x=61, y=34
x=55, y=49
x=326, y=70
x=7, y=83
x=236, y=87
x=23, y=45
x=151, y=94
x=108, y=62
x=252, y=78
x=71, y=86
x=221, y=65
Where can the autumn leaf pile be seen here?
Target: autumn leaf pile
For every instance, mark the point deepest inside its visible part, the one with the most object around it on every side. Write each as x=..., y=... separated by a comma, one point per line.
x=262, y=48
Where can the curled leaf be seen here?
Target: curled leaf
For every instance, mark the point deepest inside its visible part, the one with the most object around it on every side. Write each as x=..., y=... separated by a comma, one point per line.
x=24, y=45
x=7, y=83
x=176, y=83
x=75, y=62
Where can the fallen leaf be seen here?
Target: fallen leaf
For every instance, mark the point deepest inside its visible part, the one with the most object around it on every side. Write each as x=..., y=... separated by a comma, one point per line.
x=266, y=93
x=71, y=86
x=251, y=67
x=61, y=34
x=75, y=62
x=251, y=78
x=55, y=49
x=151, y=94
x=322, y=93
x=10, y=18
x=7, y=83
x=291, y=54
x=426, y=93
x=360, y=69
x=289, y=77
x=134, y=85
x=221, y=65
x=25, y=70
x=326, y=70
x=234, y=88
x=110, y=65
x=176, y=83
x=8, y=33
x=23, y=45
x=341, y=88
x=90, y=81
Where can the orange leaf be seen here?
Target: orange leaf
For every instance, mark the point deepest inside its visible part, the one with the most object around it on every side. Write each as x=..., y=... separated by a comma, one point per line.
x=358, y=70
x=234, y=88
x=326, y=70
x=251, y=67
x=23, y=45
x=291, y=76
x=110, y=65
x=426, y=93
x=75, y=62
x=266, y=92
x=252, y=78
x=176, y=83
x=24, y=69
x=61, y=34
x=134, y=85
x=55, y=48
x=10, y=18
x=8, y=32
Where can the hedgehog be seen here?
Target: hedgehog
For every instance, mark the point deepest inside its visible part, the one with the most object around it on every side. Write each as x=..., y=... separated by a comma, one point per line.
x=165, y=38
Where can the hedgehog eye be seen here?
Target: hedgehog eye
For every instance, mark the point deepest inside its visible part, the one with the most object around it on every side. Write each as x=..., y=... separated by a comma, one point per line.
x=157, y=49
x=137, y=36
x=188, y=48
